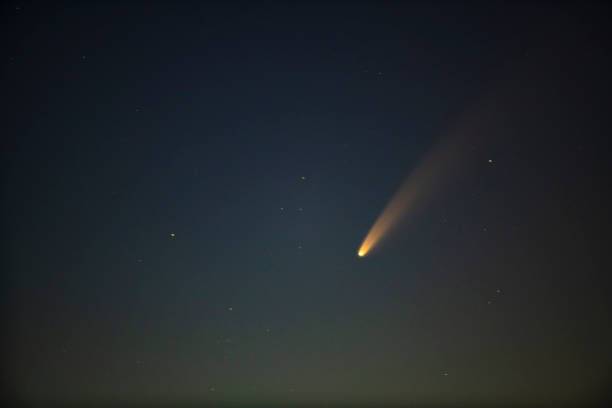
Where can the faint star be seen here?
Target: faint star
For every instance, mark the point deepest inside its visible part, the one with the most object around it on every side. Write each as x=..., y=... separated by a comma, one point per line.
x=172, y=235
x=489, y=302
x=445, y=373
x=139, y=260
x=300, y=209
x=230, y=309
x=490, y=161
x=303, y=177
x=211, y=389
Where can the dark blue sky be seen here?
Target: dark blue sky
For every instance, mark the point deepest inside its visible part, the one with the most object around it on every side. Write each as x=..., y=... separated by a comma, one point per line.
x=127, y=123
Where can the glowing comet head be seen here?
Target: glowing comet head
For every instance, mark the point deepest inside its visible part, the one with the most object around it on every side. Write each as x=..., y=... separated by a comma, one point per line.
x=361, y=253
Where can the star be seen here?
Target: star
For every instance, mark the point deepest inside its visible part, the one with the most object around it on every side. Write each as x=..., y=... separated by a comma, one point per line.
x=230, y=309
x=303, y=177
x=490, y=161
x=172, y=235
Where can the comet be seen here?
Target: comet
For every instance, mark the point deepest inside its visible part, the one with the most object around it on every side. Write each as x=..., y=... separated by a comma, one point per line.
x=448, y=159
x=412, y=194
x=496, y=117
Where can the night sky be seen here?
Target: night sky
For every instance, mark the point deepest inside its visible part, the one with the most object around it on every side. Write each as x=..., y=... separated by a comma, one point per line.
x=185, y=187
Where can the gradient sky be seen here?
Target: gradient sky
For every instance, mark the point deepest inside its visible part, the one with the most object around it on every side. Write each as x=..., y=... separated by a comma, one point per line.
x=268, y=138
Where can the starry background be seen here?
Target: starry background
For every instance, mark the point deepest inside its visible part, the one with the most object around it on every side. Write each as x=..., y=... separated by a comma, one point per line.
x=185, y=187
